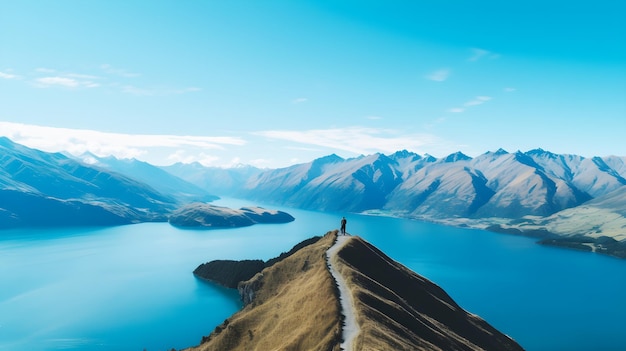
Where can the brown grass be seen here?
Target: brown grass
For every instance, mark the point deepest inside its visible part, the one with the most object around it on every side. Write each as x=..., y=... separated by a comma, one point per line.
x=296, y=308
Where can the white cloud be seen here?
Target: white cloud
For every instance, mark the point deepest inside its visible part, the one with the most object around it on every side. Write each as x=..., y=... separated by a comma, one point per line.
x=157, y=91
x=509, y=89
x=64, y=81
x=299, y=100
x=129, y=89
x=356, y=140
x=107, y=68
x=478, y=54
x=439, y=75
x=148, y=147
x=183, y=156
x=5, y=75
x=456, y=110
x=479, y=100
x=82, y=76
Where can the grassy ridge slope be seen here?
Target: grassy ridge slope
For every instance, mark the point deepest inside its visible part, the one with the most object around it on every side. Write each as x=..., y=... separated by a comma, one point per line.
x=294, y=308
x=294, y=305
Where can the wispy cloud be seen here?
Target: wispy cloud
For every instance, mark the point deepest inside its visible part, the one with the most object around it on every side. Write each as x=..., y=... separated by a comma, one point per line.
x=157, y=91
x=104, y=76
x=64, y=81
x=479, y=100
x=478, y=54
x=145, y=146
x=183, y=156
x=509, y=89
x=357, y=140
x=439, y=75
x=109, y=69
x=5, y=75
x=299, y=100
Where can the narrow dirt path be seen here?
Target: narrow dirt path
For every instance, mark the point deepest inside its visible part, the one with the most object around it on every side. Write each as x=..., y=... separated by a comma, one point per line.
x=350, y=328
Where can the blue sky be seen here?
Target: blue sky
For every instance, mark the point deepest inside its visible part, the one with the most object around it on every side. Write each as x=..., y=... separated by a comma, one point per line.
x=272, y=83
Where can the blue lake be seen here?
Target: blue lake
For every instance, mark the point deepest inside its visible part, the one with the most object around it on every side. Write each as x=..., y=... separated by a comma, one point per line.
x=132, y=288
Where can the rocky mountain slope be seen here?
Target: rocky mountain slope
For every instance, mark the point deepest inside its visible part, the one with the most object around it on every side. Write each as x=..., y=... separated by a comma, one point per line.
x=495, y=184
x=156, y=177
x=43, y=189
x=215, y=180
x=492, y=190
x=294, y=304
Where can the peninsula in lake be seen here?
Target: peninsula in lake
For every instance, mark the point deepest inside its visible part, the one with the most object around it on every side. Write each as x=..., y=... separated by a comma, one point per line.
x=202, y=215
x=339, y=292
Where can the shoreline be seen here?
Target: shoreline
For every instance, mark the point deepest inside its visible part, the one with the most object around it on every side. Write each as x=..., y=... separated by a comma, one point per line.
x=604, y=245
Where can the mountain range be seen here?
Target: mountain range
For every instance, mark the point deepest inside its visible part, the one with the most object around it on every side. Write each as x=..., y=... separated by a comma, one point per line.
x=521, y=192
x=495, y=184
x=534, y=193
x=51, y=189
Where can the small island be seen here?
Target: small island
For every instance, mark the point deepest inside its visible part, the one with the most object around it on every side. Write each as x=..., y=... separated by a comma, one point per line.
x=202, y=215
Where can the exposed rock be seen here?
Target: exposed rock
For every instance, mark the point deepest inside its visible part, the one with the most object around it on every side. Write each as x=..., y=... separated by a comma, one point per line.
x=229, y=273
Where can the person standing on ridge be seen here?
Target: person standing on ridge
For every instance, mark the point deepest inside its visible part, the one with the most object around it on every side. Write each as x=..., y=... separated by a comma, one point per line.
x=343, y=225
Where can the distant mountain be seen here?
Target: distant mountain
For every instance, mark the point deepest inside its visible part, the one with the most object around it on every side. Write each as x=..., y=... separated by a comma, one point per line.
x=519, y=191
x=495, y=187
x=215, y=180
x=330, y=183
x=156, y=177
x=495, y=184
x=295, y=303
x=26, y=209
x=40, y=189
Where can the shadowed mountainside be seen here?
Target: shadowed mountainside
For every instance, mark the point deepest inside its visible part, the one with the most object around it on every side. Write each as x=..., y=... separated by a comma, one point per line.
x=294, y=305
x=50, y=189
x=156, y=177
x=494, y=184
x=401, y=310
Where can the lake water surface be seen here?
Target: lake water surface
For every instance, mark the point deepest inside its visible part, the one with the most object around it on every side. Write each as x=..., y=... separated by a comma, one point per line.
x=132, y=288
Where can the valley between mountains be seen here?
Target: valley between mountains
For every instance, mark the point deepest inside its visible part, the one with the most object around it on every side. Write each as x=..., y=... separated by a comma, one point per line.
x=563, y=200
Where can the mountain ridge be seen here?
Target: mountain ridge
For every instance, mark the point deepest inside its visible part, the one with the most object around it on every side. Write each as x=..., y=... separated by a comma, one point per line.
x=51, y=189
x=487, y=191
x=294, y=304
x=498, y=190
